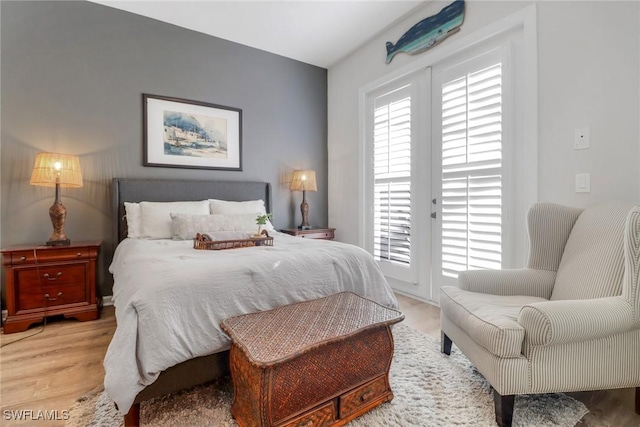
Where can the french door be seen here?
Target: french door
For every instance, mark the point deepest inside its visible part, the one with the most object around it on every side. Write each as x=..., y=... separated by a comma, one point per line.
x=437, y=188
x=469, y=176
x=395, y=183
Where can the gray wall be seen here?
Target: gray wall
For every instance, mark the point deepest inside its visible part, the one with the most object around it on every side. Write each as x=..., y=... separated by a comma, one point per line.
x=73, y=74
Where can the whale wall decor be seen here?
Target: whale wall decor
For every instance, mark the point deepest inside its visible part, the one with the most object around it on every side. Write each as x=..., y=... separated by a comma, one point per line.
x=429, y=32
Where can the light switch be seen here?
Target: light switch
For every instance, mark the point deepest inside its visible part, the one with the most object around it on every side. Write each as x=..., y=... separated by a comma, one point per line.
x=582, y=139
x=583, y=183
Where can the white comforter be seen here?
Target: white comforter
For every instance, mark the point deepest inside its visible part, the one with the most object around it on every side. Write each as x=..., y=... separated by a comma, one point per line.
x=170, y=298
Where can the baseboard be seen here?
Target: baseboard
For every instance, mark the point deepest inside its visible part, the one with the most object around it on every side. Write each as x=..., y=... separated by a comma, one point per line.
x=407, y=294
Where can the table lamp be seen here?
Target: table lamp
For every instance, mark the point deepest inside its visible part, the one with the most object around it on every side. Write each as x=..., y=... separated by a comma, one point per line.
x=57, y=170
x=304, y=180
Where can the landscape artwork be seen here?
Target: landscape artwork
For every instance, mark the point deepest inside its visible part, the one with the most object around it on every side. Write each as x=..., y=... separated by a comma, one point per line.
x=429, y=32
x=182, y=133
x=194, y=135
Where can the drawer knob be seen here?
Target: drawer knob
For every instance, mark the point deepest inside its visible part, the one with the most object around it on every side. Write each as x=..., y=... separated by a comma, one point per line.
x=365, y=395
x=23, y=258
x=53, y=299
x=51, y=279
x=79, y=254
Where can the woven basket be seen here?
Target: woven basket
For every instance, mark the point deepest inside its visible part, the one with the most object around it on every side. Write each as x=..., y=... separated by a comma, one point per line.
x=203, y=241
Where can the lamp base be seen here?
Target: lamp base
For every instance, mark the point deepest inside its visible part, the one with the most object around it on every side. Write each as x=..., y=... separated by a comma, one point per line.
x=304, y=227
x=58, y=213
x=63, y=242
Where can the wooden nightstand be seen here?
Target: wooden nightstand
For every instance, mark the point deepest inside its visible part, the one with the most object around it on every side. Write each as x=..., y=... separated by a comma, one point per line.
x=316, y=233
x=50, y=279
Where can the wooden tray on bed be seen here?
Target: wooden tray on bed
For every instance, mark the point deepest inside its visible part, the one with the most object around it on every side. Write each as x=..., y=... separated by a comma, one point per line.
x=203, y=241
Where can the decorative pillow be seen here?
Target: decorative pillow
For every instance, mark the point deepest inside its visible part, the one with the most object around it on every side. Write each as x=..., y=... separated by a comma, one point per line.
x=156, y=216
x=185, y=227
x=255, y=207
x=132, y=213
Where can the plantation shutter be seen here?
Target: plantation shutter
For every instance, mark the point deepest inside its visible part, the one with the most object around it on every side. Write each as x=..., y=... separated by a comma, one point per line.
x=472, y=171
x=392, y=177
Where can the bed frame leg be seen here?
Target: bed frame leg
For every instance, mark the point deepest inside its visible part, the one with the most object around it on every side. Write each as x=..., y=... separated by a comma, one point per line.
x=132, y=419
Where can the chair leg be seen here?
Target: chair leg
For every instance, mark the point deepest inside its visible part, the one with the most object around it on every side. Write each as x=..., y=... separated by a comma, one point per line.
x=504, y=408
x=445, y=343
x=638, y=400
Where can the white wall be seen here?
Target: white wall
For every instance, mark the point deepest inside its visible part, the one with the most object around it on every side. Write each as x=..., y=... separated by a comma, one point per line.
x=588, y=76
x=588, y=67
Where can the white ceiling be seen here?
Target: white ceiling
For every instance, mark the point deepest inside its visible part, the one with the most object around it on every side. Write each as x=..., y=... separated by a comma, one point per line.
x=316, y=32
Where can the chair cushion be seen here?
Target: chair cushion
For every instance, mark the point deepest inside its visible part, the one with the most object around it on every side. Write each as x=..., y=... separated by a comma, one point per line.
x=491, y=320
x=592, y=264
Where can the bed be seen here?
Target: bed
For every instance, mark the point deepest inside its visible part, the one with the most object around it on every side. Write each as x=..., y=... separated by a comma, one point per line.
x=170, y=298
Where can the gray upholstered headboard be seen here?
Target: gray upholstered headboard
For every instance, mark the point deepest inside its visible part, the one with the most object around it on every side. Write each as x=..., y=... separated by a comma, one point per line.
x=170, y=190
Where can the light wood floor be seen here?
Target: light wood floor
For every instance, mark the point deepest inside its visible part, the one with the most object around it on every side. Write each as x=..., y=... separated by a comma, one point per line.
x=50, y=370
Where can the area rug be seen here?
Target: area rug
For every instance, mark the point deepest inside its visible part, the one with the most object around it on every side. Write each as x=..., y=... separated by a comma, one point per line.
x=430, y=389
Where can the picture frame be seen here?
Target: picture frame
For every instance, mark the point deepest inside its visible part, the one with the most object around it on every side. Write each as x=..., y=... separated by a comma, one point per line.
x=180, y=133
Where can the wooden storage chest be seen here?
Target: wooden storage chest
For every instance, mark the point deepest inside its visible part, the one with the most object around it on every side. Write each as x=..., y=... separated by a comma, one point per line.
x=315, y=363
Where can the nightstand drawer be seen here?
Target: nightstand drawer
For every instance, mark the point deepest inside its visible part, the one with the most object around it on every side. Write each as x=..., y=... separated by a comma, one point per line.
x=64, y=254
x=58, y=294
x=326, y=235
x=65, y=284
x=314, y=233
x=48, y=275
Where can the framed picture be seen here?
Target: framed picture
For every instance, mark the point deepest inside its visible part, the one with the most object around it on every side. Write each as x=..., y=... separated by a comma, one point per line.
x=179, y=133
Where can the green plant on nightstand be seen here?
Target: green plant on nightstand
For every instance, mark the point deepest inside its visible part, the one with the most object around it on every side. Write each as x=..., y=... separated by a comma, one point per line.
x=262, y=220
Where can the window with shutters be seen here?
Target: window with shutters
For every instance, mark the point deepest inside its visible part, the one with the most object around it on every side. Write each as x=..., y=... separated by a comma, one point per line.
x=392, y=177
x=472, y=171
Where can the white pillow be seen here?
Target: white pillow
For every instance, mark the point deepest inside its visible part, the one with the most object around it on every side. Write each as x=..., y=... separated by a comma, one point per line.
x=185, y=227
x=132, y=213
x=255, y=207
x=156, y=216
x=242, y=222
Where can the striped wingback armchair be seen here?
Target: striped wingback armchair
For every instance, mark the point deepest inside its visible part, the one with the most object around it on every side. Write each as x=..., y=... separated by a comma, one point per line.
x=569, y=321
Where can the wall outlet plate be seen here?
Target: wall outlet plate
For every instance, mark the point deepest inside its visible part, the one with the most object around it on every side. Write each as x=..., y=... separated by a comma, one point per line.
x=582, y=138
